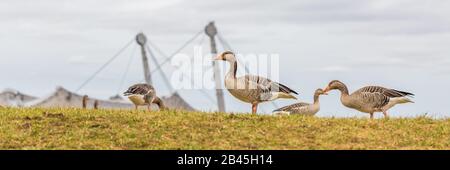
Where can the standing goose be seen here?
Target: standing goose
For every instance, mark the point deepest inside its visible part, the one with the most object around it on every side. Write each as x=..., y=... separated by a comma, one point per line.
x=143, y=94
x=370, y=99
x=252, y=89
x=302, y=108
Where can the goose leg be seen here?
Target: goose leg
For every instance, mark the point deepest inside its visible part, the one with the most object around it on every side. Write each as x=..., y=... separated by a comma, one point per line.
x=254, y=108
x=135, y=107
x=385, y=114
x=371, y=115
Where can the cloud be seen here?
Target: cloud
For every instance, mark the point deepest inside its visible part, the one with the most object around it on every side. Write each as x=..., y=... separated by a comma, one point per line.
x=335, y=68
x=343, y=36
x=78, y=60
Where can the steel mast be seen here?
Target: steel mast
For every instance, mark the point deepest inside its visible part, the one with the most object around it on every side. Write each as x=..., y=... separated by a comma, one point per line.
x=141, y=39
x=211, y=31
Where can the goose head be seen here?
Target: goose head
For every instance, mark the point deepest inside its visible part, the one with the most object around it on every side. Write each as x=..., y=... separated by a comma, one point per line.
x=335, y=85
x=160, y=103
x=226, y=56
x=319, y=92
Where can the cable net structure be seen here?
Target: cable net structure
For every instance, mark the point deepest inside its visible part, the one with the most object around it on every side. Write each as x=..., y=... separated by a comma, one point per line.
x=155, y=65
x=153, y=61
x=148, y=49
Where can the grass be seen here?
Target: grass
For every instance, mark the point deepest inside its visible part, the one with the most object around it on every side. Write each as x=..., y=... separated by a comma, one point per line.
x=35, y=128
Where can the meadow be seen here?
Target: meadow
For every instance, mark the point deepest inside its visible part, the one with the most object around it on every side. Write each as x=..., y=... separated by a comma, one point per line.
x=38, y=128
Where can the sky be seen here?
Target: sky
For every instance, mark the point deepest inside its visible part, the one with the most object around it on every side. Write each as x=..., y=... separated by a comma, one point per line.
x=402, y=44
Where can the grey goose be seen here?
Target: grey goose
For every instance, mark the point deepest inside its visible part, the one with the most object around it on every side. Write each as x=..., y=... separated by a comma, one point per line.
x=370, y=99
x=250, y=88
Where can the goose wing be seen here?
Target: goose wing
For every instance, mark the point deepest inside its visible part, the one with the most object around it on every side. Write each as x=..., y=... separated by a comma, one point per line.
x=139, y=89
x=372, y=99
x=377, y=97
x=266, y=85
x=391, y=93
x=294, y=108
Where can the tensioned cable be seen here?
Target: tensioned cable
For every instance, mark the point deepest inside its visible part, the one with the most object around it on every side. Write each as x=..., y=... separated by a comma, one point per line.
x=127, y=69
x=224, y=43
x=226, y=46
x=104, y=65
x=200, y=43
x=211, y=99
x=157, y=49
x=177, y=51
x=162, y=73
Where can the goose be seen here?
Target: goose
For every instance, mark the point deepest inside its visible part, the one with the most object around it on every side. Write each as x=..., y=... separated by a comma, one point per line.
x=143, y=94
x=302, y=108
x=160, y=103
x=84, y=101
x=250, y=88
x=370, y=99
x=96, y=103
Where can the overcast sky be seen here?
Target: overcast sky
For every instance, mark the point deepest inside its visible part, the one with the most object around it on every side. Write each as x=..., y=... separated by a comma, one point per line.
x=402, y=44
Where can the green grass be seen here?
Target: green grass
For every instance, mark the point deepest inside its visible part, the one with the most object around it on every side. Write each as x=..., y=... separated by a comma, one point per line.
x=124, y=129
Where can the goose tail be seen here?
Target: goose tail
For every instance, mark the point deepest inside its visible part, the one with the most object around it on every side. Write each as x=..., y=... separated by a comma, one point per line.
x=286, y=96
x=281, y=95
x=402, y=100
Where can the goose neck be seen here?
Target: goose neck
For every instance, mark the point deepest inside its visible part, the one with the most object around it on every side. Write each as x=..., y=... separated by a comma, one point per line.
x=316, y=98
x=233, y=69
x=344, y=90
x=160, y=103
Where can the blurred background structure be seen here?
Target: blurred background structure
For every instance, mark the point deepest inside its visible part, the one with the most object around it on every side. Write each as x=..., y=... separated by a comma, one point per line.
x=401, y=44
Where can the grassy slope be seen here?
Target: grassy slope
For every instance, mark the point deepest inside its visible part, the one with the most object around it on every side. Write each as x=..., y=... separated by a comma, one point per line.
x=109, y=129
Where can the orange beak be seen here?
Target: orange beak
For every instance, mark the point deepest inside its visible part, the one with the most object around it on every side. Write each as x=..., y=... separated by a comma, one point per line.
x=218, y=57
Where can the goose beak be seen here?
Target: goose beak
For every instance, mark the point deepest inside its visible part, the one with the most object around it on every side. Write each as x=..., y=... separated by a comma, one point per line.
x=324, y=93
x=218, y=57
